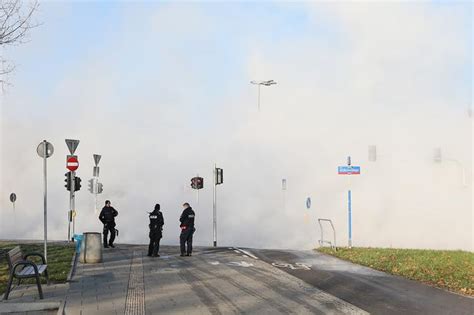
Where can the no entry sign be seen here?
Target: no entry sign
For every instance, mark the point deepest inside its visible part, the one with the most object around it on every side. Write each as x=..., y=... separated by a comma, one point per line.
x=72, y=163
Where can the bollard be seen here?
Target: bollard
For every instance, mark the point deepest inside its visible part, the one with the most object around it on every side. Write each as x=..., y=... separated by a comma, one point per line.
x=91, y=248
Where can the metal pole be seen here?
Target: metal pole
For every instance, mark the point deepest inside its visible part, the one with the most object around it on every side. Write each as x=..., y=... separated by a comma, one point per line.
x=45, y=147
x=259, y=97
x=349, y=199
x=214, y=207
x=73, y=188
x=96, y=181
x=71, y=208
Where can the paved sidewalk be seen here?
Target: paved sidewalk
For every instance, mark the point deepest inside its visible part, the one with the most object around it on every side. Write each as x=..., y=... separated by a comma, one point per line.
x=25, y=299
x=212, y=281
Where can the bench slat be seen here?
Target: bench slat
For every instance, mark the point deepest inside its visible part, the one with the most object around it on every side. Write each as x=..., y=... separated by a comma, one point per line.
x=30, y=271
x=42, y=268
x=14, y=256
x=26, y=271
x=14, y=251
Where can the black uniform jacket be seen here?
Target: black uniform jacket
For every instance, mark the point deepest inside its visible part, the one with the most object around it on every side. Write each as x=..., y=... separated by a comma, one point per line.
x=187, y=219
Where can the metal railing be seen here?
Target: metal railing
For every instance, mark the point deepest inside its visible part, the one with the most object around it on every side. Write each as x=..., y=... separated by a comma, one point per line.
x=322, y=241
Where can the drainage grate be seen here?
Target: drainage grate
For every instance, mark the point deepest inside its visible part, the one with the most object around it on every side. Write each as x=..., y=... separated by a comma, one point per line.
x=135, y=303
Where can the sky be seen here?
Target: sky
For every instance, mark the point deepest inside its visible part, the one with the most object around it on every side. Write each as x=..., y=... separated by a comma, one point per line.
x=162, y=91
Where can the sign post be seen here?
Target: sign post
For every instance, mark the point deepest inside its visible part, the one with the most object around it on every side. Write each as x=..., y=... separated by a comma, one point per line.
x=95, y=181
x=13, y=199
x=218, y=179
x=349, y=170
x=45, y=150
x=72, y=164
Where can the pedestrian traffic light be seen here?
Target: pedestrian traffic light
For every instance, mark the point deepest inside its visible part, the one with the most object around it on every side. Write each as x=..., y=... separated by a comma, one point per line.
x=100, y=188
x=193, y=183
x=77, y=183
x=68, y=181
x=219, y=176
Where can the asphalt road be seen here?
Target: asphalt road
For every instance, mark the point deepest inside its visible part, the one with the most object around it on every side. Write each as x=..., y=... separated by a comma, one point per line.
x=373, y=291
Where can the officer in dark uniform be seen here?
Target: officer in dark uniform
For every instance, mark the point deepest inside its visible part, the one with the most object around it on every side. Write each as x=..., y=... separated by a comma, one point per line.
x=156, y=228
x=187, y=230
x=107, y=217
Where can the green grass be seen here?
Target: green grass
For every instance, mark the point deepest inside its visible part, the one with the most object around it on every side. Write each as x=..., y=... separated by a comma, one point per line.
x=59, y=261
x=451, y=270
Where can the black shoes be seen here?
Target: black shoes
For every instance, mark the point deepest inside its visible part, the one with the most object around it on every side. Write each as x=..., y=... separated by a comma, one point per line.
x=182, y=255
x=106, y=246
x=112, y=245
x=188, y=254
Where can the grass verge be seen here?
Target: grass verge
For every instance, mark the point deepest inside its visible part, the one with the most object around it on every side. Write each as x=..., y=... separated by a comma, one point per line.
x=451, y=270
x=59, y=261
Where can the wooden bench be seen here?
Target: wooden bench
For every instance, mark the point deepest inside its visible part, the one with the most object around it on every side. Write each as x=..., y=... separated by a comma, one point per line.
x=22, y=268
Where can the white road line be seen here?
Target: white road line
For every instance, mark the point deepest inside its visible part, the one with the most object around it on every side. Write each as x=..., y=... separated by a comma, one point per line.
x=245, y=252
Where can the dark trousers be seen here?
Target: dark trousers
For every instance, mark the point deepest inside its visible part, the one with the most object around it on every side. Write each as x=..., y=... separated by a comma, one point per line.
x=154, y=247
x=107, y=228
x=186, y=241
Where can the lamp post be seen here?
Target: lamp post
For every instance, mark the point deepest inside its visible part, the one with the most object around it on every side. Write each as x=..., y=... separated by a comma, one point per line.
x=260, y=83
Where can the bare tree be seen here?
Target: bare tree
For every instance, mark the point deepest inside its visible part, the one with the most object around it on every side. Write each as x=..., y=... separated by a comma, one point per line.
x=16, y=20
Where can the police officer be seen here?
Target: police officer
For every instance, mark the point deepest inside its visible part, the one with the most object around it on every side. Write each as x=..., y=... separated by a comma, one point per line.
x=156, y=228
x=187, y=230
x=107, y=217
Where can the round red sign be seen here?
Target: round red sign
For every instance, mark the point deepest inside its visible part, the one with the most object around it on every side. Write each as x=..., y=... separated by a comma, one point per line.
x=72, y=163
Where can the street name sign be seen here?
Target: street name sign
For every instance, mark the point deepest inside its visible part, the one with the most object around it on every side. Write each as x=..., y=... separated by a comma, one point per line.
x=348, y=170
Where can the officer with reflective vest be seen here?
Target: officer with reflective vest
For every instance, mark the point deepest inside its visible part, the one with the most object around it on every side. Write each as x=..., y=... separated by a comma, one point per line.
x=156, y=229
x=187, y=230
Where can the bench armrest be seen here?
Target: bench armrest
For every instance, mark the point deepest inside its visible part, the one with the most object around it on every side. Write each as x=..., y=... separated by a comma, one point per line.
x=35, y=254
x=24, y=263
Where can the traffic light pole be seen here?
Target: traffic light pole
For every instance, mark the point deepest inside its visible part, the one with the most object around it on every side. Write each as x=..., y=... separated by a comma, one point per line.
x=73, y=210
x=72, y=205
x=214, y=207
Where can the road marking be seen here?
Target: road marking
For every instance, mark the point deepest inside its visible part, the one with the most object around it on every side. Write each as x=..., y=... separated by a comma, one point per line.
x=240, y=264
x=245, y=252
x=215, y=263
x=296, y=266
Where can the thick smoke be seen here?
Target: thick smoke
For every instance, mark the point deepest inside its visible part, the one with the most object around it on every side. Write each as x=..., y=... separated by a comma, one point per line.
x=164, y=99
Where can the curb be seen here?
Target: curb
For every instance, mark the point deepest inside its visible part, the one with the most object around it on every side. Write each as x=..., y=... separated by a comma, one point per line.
x=73, y=267
x=28, y=307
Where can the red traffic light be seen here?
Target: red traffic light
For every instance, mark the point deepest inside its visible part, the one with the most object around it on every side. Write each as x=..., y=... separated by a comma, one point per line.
x=197, y=182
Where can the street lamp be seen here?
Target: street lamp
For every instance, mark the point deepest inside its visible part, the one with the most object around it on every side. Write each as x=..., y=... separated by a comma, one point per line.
x=260, y=83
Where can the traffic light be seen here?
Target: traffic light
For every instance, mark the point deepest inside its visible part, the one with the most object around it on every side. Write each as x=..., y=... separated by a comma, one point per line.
x=200, y=183
x=68, y=181
x=77, y=183
x=197, y=182
x=91, y=185
x=100, y=188
x=219, y=176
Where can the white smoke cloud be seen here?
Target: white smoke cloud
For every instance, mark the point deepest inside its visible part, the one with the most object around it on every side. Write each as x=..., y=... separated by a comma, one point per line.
x=388, y=75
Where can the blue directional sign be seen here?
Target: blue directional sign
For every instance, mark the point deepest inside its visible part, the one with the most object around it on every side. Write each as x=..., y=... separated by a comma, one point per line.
x=348, y=170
